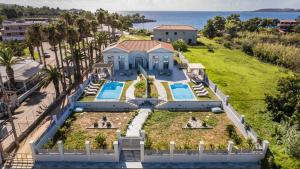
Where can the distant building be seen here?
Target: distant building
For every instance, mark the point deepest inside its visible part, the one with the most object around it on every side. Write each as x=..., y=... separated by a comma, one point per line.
x=284, y=25
x=170, y=33
x=16, y=29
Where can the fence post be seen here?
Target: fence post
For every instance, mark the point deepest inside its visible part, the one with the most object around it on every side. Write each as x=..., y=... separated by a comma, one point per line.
x=201, y=149
x=118, y=133
x=172, y=147
x=265, y=147
x=116, y=149
x=226, y=100
x=33, y=150
x=54, y=118
x=88, y=148
x=216, y=88
x=142, y=144
x=242, y=119
x=230, y=146
x=142, y=133
x=60, y=148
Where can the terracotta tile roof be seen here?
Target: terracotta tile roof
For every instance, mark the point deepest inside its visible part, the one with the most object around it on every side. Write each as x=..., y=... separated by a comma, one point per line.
x=143, y=45
x=174, y=27
x=289, y=21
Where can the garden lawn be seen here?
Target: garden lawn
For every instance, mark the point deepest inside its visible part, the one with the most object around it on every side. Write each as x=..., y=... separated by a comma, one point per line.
x=134, y=37
x=126, y=86
x=78, y=132
x=164, y=126
x=168, y=91
x=246, y=80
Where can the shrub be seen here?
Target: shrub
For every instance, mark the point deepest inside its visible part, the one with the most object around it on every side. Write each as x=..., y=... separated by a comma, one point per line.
x=210, y=48
x=292, y=142
x=108, y=124
x=189, y=125
x=101, y=141
x=104, y=118
x=227, y=45
x=194, y=118
x=230, y=129
x=180, y=44
x=204, y=124
x=95, y=124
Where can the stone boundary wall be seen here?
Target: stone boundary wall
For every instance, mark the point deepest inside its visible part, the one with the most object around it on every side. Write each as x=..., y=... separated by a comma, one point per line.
x=189, y=105
x=114, y=106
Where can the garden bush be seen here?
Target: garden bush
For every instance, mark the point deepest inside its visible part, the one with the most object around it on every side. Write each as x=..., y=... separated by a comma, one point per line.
x=180, y=44
x=100, y=141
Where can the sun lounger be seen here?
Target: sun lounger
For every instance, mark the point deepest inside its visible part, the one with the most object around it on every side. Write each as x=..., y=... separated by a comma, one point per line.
x=199, y=85
x=94, y=84
x=93, y=87
x=91, y=90
x=203, y=94
x=89, y=93
x=198, y=88
x=201, y=91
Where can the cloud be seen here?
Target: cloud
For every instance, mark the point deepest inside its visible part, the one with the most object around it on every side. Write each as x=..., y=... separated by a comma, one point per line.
x=183, y=5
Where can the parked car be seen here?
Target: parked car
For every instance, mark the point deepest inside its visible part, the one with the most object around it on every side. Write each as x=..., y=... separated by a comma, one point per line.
x=47, y=55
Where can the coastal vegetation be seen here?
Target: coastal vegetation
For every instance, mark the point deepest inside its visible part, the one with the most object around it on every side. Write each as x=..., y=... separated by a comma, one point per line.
x=246, y=80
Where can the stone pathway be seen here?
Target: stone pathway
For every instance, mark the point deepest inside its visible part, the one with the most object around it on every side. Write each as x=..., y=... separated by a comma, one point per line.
x=161, y=90
x=131, y=88
x=137, y=123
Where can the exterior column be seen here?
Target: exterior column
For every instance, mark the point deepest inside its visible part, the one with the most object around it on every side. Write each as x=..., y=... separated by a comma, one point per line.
x=33, y=150
x=171, y=62
x=160, y=62
x=116, y=63
x=116, y=150
x=215, y=89
x=265, y=146
x=150, y=60
x=118, y=133
x=230, y=146
x=88, y=148
x=126, y=62
x=201, y=149
x=61, y=148
x=142, y=144
x=172, y=147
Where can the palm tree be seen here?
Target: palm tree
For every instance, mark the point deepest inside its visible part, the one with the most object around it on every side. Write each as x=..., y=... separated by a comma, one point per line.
x=72, y=39
x=101, y=15
x=32, y=39
x=68, y=18
x=102, y=39
x=77, y=56
x=61, y=30
x=36, y=33
x=53, y=38
x=83, y=30
x=52, y=75
x=94, y=26
x=114, y=25
x=7, y=59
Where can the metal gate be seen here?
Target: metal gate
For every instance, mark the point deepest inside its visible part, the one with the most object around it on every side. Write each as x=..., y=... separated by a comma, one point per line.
x=130, y=143
x=18, y=160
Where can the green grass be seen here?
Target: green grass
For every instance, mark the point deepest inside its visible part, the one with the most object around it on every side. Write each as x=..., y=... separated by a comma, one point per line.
x=27, y=54
x=246, y=80
x=126, y=86
x=168, y=91
x=134, y=37
x=140, y=88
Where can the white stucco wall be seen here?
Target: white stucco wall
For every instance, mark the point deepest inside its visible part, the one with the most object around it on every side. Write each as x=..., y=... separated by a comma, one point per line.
x=185, y=35
x=130, y=58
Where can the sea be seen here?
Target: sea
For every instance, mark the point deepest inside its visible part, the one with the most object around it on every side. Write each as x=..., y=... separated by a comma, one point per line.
x=199, y=18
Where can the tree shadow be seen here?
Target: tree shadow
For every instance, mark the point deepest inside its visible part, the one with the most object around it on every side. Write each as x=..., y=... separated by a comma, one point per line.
x=35, y=98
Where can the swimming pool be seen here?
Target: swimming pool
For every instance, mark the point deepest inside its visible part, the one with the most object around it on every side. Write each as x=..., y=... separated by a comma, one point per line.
x=110, y=91
x=182, y=92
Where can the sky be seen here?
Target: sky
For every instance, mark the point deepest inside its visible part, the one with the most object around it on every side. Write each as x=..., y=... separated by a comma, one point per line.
x=161, y=5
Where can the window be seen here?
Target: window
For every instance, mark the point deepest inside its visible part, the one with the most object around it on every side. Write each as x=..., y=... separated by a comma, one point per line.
x=8, y=34
x=175, y=33
x=20, y=28
x=159, y=39
x=22, y=33
x=167, y=33
x=6, y=28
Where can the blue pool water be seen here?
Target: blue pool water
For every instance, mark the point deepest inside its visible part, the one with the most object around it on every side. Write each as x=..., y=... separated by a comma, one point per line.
x=181, y=92
x=110, y=91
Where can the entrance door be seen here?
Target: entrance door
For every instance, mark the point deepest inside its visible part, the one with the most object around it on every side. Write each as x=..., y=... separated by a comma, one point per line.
x=139, y=61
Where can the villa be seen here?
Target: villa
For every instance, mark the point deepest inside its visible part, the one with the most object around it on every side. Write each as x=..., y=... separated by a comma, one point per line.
x=150, y=54
x=170, y=33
